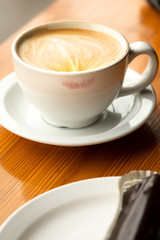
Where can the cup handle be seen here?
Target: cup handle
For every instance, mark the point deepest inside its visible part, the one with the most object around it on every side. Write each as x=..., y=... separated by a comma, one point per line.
x=150, y=71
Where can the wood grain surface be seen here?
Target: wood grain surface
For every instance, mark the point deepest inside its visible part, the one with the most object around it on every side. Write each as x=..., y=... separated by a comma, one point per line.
x=28, y=168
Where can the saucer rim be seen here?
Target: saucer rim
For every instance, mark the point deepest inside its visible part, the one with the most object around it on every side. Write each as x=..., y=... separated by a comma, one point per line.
x=73, y=141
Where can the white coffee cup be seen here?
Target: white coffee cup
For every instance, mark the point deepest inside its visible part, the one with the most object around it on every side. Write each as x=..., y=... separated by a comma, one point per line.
x=76, y=99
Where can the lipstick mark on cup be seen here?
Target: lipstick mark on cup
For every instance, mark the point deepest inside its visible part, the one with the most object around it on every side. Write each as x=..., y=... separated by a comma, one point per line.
x=76, y=84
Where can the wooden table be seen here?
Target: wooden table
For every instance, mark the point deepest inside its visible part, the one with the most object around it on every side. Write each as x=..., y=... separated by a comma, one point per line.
x=28, y=168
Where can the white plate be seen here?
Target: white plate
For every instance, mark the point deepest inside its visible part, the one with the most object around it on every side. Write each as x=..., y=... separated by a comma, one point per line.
x=124, y=115
x=81, y=210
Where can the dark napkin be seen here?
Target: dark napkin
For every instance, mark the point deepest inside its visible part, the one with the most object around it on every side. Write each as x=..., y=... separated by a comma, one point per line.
x=155, y=4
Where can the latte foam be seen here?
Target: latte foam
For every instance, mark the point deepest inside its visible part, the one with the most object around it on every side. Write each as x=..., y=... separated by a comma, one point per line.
x=70, y=50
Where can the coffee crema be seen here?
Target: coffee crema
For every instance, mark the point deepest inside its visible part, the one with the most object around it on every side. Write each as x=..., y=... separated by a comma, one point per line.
x=70, y=50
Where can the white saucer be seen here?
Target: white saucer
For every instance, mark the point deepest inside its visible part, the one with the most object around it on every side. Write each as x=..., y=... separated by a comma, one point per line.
x=124, y=115
x=80, y=210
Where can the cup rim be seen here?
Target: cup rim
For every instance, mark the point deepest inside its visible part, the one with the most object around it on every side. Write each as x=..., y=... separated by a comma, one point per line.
x=51, y=24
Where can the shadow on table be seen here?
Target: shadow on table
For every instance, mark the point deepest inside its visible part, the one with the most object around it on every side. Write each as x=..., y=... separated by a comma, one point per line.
x=67, y=164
